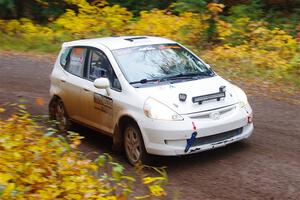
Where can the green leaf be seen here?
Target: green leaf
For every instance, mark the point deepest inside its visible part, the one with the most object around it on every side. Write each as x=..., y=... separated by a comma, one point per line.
x=101, y=160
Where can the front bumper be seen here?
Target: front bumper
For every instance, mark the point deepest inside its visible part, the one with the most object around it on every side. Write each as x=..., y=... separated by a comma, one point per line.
x=170, y=137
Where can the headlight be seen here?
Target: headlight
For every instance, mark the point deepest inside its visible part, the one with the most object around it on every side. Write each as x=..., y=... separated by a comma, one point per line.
x=241, y=94
x=156, y=110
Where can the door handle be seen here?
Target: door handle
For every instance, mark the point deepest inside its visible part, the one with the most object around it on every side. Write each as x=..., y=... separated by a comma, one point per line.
x=85, y=89
x=63, y=80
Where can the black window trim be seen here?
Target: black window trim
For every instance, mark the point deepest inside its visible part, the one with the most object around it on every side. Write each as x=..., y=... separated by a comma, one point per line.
x=87, y=63
x=67, y=58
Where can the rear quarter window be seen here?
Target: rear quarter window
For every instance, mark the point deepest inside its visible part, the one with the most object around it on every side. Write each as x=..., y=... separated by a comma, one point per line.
x=76, y=61
x=64, y=56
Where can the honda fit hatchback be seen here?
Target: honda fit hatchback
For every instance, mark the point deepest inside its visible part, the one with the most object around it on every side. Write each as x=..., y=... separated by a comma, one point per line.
x=151, y=95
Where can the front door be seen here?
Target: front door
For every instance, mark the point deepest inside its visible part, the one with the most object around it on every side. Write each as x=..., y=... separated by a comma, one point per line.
x=99, y=105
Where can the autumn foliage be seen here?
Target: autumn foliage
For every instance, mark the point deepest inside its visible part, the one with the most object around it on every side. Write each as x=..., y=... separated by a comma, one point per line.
x=34, y=164
x=238, y=45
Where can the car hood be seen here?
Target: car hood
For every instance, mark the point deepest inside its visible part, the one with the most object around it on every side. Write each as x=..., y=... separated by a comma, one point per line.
x=169, y=94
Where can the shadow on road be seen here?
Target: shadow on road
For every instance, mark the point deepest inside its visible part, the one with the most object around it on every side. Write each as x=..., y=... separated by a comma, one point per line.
x=202, y=158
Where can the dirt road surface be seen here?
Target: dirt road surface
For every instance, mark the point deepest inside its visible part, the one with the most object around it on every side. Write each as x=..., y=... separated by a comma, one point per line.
x=266, y=166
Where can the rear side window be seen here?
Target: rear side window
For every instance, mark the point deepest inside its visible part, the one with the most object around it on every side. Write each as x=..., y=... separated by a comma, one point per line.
x=75, y=65
x=64, y=56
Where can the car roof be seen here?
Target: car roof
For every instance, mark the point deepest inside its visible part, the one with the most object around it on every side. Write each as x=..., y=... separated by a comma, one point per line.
x=119, y=42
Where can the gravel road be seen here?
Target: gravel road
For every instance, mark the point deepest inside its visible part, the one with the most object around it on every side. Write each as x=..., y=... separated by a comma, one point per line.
x=266, y=166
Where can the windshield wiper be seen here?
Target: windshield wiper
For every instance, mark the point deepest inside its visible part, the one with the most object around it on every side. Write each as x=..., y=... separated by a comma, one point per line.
x=184, y=76
x=173, y=77
x=143, y=81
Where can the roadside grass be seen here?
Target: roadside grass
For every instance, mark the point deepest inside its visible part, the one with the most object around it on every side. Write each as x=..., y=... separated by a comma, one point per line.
x=37, y=44
x=288, y=82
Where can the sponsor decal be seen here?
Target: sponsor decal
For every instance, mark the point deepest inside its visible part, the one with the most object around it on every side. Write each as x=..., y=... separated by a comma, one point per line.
x=103, y=103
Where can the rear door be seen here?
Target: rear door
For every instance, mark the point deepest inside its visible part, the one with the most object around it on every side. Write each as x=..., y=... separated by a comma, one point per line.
x=72, y=80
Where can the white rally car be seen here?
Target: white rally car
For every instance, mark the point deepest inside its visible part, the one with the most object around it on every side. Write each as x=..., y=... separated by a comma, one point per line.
x=151, y=94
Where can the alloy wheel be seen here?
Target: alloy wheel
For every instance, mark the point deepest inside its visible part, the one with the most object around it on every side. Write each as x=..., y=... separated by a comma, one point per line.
x=132, y=145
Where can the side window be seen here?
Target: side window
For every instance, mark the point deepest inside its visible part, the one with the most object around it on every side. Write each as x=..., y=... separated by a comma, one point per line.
x=76, y=62
x=64, y=56
x=99, y=66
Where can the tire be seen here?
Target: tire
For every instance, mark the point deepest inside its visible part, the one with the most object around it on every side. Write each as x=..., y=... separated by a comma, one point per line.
x=134, y=145
x=61, y=116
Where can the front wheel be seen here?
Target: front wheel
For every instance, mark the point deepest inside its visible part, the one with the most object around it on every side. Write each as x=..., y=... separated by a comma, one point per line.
x=134, y=145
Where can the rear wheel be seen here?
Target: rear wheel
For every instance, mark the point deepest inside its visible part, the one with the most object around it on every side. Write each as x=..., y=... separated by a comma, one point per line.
x=134, y=145
x=61, y=116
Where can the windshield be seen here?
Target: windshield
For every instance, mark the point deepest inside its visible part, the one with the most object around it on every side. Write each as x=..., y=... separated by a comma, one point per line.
x=159, y=62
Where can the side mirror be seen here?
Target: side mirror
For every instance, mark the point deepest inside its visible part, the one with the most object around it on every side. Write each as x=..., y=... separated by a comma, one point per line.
x=101, y=83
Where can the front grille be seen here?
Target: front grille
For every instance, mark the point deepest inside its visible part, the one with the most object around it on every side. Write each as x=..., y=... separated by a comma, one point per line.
x=224, y=111
x=217, y=137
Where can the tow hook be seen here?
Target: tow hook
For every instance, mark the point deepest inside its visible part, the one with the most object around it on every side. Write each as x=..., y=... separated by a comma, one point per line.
x=192, y=139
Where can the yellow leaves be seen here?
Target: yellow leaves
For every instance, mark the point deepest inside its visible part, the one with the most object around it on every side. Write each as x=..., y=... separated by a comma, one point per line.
x=74, y=196
x=8, y=189
x=252, y=47
x=224, y=29
x=10, y=144
x=69, y=185
x=35, y=166
x=98, y=18
x=148, y=180
x=90, y=19
x=4, y=178
x=187, y=27
x=121, y=197
x=242, y=22
x=93, y=18
x=257, y=35
x=157, y=190
x=155, y=183
x=75, y=139
x=40, y=101
x=48, y=193
x=241, y=54
x=215, y=7
x=10, y=27
x=33, y=178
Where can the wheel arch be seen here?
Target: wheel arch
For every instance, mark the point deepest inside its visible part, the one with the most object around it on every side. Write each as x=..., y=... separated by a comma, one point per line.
x=118, y=136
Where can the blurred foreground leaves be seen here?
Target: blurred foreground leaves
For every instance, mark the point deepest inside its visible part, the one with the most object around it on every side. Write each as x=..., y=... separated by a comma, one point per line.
x=35, y=164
